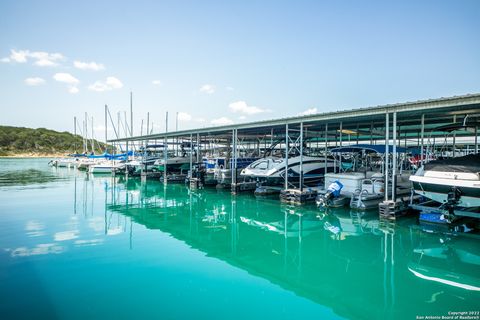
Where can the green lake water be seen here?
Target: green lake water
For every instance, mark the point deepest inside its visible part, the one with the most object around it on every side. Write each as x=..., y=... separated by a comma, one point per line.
x=73, y=246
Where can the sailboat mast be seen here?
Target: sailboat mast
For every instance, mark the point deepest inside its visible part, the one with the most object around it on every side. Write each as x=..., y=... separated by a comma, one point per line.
x=131, y=114
x=74, y=134
x=131, y=118
x=85, y=125
x=92, y=141
x=106, y=137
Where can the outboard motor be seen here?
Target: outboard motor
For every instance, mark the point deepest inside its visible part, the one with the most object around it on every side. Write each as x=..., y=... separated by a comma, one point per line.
x=333, y=191
x=453, y=198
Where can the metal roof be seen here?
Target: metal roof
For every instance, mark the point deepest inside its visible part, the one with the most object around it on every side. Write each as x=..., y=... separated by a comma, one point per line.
x=464, y=104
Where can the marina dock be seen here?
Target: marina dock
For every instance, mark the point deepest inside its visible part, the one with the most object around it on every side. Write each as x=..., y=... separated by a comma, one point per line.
x=445, y=126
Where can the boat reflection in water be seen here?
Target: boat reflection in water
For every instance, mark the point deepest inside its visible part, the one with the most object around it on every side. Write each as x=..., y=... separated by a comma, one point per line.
x=350, y=262
x=452, y=261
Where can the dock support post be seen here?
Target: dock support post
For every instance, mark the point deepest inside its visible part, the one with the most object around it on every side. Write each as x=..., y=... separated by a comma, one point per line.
x=422, y=133
x=234, y=161
x=341, y=137
x=300, y=180
x=371, y=132
x=476, y=139
x=165, y=156
x=286, y=156
x=198, y=148
x=454, y=135
x=191, y=155
x=394, y=156
x=386, y=155
x=326, y=148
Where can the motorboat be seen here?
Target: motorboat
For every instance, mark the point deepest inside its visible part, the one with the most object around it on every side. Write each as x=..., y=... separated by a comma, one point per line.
x=272, y=169
x=211, y=166
x=365, y=188
x=174, y=164
x=223, y=175
x=135, y=166
x=63, y=162
x=107, y=166
x=454, y=181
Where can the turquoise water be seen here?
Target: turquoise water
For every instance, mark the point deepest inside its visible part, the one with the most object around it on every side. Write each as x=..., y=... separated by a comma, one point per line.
x=74, y=246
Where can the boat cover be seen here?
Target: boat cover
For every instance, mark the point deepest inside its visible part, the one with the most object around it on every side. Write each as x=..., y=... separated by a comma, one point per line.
x=470, y=163
x=378, y=148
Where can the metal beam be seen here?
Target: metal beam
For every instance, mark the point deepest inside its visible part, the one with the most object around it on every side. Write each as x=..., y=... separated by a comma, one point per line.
x=419, y=106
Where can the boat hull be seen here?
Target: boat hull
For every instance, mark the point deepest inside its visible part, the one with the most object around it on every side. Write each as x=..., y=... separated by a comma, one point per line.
x=313, y=171
x=427, y=187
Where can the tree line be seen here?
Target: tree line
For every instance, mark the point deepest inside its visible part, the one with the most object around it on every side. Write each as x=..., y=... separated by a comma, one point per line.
x=15, y=140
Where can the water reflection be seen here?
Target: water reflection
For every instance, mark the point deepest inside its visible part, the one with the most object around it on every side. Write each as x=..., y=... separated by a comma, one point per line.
x=353, y=263
x=34, y=228
x=27, y=177
x=452, y=261
x=39, y=249
x=341, y=259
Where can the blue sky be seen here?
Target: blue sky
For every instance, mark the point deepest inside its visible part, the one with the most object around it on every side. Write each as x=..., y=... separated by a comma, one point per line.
x=219, y=62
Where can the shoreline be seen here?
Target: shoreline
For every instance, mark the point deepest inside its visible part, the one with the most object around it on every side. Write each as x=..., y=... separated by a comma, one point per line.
x=29, y=155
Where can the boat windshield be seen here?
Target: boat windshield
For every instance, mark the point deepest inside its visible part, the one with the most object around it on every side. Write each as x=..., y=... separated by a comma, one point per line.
x=262, y=165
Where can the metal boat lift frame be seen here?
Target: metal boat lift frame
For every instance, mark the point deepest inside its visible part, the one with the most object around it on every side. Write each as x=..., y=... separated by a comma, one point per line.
x=409, y=121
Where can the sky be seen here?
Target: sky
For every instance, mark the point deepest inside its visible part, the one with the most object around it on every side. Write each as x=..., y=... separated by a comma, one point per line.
x=223, y=62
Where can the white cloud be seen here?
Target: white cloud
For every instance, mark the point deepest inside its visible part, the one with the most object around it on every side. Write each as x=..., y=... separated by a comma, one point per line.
x=157, y=82
x=243, y=107
x=183, y=116
x=200, y=120
x=73, y=89
x=34, y=81
x=242, y=118
x=70, y=80
x=229, y=89
x=221, y=121
x=308, y=112
x=114, y=83
x=88, y=65
x=109, y=84
x=66, y=78
x=42, y=59
x=19, y=56
x=45, y=59
x=45, y=63
x=98, y=86
x=207, y=88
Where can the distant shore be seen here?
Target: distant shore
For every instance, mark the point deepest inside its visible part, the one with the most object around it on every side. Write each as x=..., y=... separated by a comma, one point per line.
x=35, y=155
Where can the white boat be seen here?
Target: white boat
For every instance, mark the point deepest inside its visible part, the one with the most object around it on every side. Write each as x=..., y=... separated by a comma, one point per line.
x=219, y=170
x=362, y=190
x=83, y=164
x=174, y=164
x=272, y=169
x=63, y=162
x=454, y=181
x=106, y=167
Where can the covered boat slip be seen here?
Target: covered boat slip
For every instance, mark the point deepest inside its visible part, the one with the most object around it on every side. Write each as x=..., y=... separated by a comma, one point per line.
x=413, y=132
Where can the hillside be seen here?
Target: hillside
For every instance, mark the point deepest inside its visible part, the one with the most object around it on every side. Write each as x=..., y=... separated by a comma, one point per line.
x=41, y=142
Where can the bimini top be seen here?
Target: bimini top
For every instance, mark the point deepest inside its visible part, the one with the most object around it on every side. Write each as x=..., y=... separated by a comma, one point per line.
x=470, y=163
x=111, y=156
x=378, y=148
